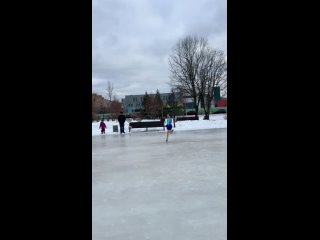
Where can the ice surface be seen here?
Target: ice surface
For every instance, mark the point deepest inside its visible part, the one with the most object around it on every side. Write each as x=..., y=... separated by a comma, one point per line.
x=145, y=188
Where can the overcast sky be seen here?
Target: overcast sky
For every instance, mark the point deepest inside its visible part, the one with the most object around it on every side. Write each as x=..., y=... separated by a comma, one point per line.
x=132, y=40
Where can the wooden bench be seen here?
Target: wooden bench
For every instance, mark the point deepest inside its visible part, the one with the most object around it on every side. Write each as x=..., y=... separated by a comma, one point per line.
x=146, y=125
x=187, y=118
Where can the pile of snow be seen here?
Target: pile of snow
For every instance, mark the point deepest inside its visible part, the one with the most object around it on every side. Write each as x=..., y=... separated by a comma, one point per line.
x=216, y=121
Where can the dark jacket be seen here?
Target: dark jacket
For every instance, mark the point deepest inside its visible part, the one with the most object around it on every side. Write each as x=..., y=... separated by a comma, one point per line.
x=102, y=125
x=121, y=118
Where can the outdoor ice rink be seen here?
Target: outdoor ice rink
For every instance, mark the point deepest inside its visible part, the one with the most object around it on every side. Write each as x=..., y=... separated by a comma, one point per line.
x=145, y=188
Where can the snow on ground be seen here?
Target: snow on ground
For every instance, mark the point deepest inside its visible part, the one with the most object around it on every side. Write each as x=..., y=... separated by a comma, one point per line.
x=216, y=121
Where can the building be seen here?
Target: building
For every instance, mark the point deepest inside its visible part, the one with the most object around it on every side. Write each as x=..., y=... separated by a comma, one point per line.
x=188, y=103
x=133, y=103
x=222, y=103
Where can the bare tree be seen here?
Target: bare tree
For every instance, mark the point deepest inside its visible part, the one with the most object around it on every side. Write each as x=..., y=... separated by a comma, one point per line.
x=184, y=64
x=212, y=73
x=115, y=107
x=149, y=106
x=115, y=98
x=157, y=105
x=196, y=69
x=99, y=104
x=110, y=90
x=224, y=93
x=145, y=102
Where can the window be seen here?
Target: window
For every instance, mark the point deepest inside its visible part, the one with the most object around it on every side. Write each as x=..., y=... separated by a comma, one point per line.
x=189, y=105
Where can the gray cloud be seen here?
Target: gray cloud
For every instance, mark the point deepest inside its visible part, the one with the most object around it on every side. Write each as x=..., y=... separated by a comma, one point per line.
x=132, y=39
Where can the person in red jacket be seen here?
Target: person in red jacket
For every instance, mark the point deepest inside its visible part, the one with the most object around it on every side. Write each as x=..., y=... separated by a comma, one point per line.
x=102, y=126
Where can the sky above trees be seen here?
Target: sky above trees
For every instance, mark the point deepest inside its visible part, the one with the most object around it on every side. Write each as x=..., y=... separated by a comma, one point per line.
x=132, y=40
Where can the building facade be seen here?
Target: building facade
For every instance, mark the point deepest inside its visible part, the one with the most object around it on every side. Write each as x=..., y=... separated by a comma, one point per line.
x=133, y=103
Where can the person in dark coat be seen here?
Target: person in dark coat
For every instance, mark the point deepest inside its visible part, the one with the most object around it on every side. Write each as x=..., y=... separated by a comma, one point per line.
x=121, y=119
x=102, y=126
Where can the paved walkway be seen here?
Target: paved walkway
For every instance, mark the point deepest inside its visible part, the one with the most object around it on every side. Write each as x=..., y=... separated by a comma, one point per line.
x=145, y=188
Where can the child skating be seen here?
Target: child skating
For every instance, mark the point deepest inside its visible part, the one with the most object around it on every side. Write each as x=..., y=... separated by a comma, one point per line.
x=102, y=126
x=168, y=125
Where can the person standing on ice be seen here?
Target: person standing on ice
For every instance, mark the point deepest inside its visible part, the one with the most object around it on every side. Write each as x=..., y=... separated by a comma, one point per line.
x=102, y=126
x=168, y=125
x=121, y=119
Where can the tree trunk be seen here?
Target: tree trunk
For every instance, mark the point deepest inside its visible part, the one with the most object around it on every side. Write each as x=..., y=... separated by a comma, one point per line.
x=197, y=109
x=208, y=107
x=206, y=115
